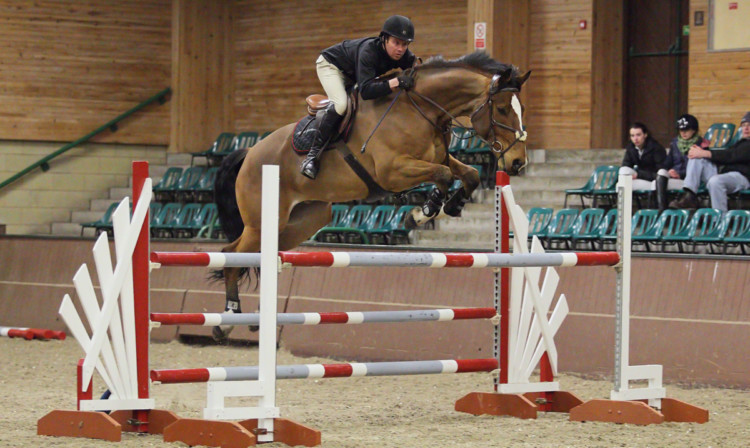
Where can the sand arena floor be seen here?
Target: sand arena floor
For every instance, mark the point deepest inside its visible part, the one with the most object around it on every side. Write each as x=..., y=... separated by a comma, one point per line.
x=410, y=411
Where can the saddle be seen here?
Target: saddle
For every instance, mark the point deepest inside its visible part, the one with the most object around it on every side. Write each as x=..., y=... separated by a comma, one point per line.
x=303, y=137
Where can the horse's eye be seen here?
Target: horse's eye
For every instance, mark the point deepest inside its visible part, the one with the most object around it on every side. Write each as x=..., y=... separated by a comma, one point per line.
x=502, y=111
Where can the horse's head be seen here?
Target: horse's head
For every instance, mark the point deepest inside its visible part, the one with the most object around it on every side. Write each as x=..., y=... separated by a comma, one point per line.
x=499, y=120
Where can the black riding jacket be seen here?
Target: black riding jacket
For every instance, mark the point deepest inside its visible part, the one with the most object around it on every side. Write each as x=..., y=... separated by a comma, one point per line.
x=734, y=158
x=362, y=60
x=651, y=161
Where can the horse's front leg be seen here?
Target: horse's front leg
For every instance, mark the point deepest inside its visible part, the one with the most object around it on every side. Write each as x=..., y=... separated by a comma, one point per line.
x=417, y=172
x=469, y=177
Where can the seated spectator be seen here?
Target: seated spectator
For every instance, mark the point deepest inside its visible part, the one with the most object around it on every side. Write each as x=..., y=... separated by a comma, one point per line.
x=644, y=156
x=725, y=171
x=675, y=165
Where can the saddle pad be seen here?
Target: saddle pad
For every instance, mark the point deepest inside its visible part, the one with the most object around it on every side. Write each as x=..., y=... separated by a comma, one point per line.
x=303, y=136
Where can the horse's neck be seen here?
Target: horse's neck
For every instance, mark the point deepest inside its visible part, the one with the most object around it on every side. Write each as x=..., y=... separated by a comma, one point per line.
x=459, y=91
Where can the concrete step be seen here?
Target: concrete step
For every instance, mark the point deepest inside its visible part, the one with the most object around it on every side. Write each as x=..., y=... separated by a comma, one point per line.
x=66, y=229
x=117, y=193
x=539, y=183
x=596, y=156
x=85, y=216
x=181, y=159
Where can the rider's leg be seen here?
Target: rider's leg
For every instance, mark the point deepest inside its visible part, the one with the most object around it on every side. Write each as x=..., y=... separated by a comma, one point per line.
x=333, y=83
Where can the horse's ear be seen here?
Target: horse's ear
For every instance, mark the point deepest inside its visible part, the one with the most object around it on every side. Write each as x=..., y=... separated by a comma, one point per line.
x=523, y=78
x=505, y=76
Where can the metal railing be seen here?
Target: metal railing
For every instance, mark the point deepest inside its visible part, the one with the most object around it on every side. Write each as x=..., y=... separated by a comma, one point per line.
x=111, y=125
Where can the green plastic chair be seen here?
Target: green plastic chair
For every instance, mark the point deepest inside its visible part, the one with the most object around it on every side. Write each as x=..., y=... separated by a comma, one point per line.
x=642, y=222
x=187, y=185
x=604, y=186
x=460, y=139
x=204, y=189
x=669, y=223
x=265, y=134
x=607, y=231
x=223, y=141
x=737, y=231
x=190, y=228
x=338, y=213
x=586, y=227
x=164, y=189
x=211, y=230
x=719, y=135
x=347, y=231
x=240, y=141
x=704, y=221
x=587, y=190
x=183, y=220
x=560, y=227
x=165, y=219
x=712, y=238
x=397, y=233
x=539, y=219
x=102, y=223
x=379, y=217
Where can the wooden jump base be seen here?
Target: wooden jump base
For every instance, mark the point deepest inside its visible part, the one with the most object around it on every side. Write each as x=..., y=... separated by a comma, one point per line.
x=523, y=340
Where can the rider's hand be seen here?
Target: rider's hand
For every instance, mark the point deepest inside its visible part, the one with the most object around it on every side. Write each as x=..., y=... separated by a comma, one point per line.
x=405, y=82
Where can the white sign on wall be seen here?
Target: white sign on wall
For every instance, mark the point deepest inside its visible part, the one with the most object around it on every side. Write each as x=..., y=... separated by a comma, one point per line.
x=480, y=35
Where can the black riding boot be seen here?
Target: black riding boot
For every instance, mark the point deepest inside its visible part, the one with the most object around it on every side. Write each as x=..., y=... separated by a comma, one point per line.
x=661, y=192
x=326, y=128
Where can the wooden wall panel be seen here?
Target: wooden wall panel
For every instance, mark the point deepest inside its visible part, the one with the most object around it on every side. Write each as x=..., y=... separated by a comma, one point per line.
x=717, y=81
x=558, y=109
x=607, y=61
x=201, y=73
x=69, y=66
x=276, y=45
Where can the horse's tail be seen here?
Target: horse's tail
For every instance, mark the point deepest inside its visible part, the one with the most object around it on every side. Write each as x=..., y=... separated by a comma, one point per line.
x=226, y=197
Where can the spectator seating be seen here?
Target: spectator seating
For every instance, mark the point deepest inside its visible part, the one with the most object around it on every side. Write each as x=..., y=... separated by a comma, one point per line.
x=719, y=135
x=377, y=220
x=560, y=228
x=666, y=224
x=347, y=230
x=539, y=219
x=192, y=224
x=602, y=181
x=102, y=223
x=184, y=217
x=705, y=221
x=607, y=232
x=240, y=141
x=221, y=144
x=184, y=191
x=737, y=230
x=211, y=230
x=586, y=227
x=167, y=214
x=204, y=189
x=736, y=138
x=164, y=189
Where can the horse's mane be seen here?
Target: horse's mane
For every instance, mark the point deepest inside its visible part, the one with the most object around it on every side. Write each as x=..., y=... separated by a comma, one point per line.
x=478, y=60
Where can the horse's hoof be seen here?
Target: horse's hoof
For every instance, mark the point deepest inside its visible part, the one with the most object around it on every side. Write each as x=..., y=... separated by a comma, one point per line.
x=221, y=333
x=253, y=328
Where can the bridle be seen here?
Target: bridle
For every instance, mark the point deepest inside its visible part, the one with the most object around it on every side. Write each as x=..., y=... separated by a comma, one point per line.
x=496, y=145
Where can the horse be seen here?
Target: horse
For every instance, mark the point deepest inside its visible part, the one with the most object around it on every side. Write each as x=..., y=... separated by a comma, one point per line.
x=408, y=147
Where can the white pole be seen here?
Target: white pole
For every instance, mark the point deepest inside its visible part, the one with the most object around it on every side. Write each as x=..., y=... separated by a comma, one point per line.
x=622, y=296
x=269, y=248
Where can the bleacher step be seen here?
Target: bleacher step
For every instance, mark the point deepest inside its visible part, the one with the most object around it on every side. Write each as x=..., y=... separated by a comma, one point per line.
x=66, y=229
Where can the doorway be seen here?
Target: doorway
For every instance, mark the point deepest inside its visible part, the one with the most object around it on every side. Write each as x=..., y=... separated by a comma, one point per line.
x=656, y=68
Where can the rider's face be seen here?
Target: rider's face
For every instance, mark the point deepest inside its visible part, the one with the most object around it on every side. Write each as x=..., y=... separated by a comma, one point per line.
x=395, y=47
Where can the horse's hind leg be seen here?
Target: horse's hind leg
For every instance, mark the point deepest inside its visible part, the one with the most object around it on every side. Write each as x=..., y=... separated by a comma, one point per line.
x=469, y=178
x=247, y=242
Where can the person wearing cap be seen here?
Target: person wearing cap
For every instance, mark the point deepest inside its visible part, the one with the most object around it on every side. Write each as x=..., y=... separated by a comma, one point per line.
x=644, y=156
x=360, y=61
x=674, y=168
x=724, y=171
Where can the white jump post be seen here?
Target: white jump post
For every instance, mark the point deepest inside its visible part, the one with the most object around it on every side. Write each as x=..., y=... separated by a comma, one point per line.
x=640, y=405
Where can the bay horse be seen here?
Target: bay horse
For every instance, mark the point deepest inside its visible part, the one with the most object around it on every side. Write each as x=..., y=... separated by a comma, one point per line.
x=409, y=147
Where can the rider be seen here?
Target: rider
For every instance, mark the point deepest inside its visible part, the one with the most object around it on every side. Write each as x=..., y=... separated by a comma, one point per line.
x=360, y=61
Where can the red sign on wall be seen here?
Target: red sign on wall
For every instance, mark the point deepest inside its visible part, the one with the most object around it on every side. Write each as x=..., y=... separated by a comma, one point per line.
x=732, y=5
x=480, y=35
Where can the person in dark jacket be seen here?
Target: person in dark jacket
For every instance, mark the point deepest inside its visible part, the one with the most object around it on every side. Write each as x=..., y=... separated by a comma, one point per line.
x=644, y=156
x=675, y=165
x=725, y=171
x=360, y=61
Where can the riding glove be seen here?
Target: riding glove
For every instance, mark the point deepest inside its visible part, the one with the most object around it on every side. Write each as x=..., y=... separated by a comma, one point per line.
x=405, y=82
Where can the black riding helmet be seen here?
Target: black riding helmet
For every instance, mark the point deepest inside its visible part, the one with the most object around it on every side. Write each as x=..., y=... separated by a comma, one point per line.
x=687, y=121
x=399, y=27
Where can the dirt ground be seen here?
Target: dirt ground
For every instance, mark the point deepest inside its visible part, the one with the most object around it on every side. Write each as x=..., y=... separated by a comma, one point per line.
x=408, y=411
